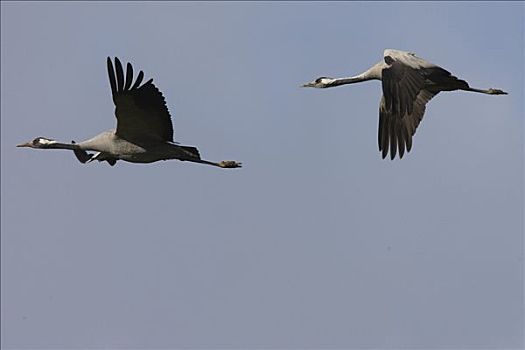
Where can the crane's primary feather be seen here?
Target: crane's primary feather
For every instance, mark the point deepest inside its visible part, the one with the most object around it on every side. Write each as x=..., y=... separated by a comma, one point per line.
x=141, y=111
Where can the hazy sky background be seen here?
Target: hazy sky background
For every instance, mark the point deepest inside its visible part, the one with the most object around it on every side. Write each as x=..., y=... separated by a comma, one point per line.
x=316, y=242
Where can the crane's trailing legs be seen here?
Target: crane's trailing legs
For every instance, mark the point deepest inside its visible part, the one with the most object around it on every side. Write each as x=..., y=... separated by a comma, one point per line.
x=488, y=92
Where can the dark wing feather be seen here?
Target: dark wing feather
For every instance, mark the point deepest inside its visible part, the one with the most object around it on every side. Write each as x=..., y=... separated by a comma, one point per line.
x=393, y=139
x=112, y=81
x=138, y=81
x=120, y=75
x=395, y=132
x=129, y=76
x=401, y=84
x=141, y=111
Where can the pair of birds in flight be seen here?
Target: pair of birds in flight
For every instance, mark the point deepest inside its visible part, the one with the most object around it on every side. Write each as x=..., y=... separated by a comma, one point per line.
x=144, y=132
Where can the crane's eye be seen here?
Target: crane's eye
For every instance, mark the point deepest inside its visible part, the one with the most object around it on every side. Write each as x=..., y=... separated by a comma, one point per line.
x=318, y=80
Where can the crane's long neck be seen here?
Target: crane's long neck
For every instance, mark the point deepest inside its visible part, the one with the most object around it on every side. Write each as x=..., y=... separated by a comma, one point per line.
x=347, y=80
x=374, y=73
x=59, y=145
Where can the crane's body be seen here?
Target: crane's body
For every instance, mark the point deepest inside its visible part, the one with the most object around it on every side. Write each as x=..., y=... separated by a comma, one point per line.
x=135, y=153
x=144, y=132
x=408, y=83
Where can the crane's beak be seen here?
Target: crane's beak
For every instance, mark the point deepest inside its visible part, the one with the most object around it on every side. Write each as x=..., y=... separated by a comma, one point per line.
x=27, y=144
x=310, y=84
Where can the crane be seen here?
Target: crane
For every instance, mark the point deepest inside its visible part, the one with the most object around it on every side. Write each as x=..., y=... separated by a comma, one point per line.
x=408, y=82
x=144, y=132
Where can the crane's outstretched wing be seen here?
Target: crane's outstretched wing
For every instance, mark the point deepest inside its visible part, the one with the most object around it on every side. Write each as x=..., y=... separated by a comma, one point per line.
x=401, y=85
x=396, y=132
x=402, y=104
x=409, y=82
x=141, y=111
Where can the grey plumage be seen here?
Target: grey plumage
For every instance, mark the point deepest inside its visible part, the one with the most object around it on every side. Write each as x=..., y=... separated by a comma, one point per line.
x=144, y=131
x=408, y=84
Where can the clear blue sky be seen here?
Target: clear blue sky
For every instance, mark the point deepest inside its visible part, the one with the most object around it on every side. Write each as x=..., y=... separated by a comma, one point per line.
x=316, y=242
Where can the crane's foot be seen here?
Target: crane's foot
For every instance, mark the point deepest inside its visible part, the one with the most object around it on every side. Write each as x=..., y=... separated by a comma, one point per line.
x=230, y=164
x=497, y=92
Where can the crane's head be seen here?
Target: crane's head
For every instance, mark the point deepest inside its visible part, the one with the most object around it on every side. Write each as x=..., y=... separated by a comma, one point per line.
x=39, y=142
x=319, y=83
